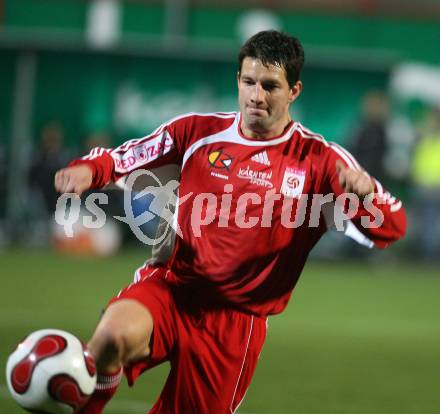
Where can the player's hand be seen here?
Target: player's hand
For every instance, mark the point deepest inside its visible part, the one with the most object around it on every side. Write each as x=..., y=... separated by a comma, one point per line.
x=75, y=179
x=352, y=181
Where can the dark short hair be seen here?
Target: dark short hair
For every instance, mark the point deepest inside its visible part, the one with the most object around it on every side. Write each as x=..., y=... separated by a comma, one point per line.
x=273, y=47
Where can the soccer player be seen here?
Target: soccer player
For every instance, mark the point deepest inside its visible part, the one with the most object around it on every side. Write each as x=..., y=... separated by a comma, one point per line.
x=257, y=191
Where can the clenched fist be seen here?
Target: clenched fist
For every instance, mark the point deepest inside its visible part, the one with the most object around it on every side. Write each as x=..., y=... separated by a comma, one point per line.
x=75, y=179
x=352, y=181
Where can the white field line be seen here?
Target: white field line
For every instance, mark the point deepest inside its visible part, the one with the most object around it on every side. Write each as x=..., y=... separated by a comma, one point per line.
x=116, y=406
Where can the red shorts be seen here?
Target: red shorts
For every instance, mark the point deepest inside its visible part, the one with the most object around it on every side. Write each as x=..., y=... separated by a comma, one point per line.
x=213, y=351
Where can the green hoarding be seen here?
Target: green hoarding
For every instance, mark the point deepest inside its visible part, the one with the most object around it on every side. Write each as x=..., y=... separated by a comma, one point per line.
x=131, y=96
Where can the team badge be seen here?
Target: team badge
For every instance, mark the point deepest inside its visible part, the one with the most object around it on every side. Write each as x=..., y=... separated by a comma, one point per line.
x=219, y=159
x=139, y=152
x=293, y=182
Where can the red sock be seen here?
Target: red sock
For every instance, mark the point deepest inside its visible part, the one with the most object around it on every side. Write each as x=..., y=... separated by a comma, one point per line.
x=106, y=386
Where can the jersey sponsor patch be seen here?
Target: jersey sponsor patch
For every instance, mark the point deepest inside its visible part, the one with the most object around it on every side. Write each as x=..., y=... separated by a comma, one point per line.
x=261, y=178
x=143, y=153
x=293, y=182
x=219, y=159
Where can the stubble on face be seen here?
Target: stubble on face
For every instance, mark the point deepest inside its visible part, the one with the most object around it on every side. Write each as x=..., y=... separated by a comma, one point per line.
x=263, y=98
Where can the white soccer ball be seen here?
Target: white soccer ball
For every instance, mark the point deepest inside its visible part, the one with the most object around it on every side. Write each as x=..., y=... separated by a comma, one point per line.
x=51, y=371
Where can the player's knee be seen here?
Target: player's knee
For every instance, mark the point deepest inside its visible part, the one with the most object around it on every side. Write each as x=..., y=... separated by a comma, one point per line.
x=107, y=346
x=120, y=340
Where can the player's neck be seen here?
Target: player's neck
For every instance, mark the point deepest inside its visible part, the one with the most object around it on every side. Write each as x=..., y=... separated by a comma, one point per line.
x=257, y=134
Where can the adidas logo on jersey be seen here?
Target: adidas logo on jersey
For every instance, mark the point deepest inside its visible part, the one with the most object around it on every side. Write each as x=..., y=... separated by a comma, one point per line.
x=261, y=158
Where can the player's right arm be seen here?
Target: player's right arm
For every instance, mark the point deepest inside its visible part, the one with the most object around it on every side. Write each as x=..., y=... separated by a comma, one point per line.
x=103, y=166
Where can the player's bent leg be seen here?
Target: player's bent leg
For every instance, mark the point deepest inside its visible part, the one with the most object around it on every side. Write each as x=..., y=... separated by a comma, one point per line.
x=122, y=336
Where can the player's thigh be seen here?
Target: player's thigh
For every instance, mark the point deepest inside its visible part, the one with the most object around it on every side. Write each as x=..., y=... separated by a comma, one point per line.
x=236, y=342
x=213, y=363
x=148, y=324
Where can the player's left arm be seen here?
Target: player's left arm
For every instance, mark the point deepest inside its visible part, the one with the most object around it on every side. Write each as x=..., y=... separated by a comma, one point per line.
x=379, y=217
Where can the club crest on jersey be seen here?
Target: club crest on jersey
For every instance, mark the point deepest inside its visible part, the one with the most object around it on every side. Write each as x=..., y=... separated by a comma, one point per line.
x=219, y=159
x=139, y=152
x=293, y=182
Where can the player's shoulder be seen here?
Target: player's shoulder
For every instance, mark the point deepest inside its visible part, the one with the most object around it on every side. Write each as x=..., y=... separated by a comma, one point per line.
x=197, y=125
x=202, y=124
x=320, y=146
x=310, y=139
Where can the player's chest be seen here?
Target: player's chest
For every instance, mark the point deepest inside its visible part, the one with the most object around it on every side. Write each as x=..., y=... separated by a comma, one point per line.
x=248, y=169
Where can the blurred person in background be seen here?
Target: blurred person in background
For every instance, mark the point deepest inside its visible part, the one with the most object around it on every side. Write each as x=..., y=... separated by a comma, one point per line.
x=382, y=142
x=49, y=157
x=426, y=195
x=369, y=141
x=204, y=305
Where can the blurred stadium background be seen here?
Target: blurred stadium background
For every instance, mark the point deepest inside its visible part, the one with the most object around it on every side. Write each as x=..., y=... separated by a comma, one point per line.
x=362, y=332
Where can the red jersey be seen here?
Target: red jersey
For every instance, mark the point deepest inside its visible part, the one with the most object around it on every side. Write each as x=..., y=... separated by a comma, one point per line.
x=248, y=220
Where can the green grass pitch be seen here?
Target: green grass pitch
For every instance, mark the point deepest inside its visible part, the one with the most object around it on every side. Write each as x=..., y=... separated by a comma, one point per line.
x=356, y=338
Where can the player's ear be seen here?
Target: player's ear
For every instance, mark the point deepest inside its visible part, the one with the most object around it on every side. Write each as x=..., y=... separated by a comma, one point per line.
x=238, y=77
x=295, y=91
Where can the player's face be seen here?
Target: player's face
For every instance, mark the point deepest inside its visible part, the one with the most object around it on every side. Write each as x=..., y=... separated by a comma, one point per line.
x=264, y=97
